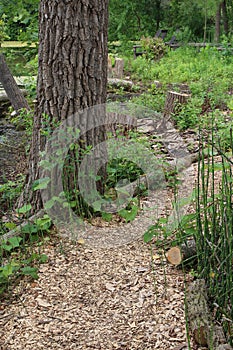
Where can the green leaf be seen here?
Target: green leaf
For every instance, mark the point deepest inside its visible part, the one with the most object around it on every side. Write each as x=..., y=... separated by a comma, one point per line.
x=97, y=205
x=191, y=231
x=187, y=219
x=73, y=204
x=45, y=164
x=106, y=216
x=7, y=247
x=24, y=209
x=43, y=258
x=7, y=270
x=15, y=241
x=30, y=271
x=10, y=225
x=29, y=228
x=49, y=204
x=162, y=220
x=129, y=215
x=149, y=234
x=43, y=223
x=41, y=184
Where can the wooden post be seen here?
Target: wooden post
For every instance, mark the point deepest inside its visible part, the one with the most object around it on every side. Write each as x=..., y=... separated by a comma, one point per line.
x=8, y=82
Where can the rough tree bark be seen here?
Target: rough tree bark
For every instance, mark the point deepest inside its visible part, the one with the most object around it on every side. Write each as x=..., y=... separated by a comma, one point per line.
x=9, y=84
x=173, y=102
x=225, y=17
x=72, y=71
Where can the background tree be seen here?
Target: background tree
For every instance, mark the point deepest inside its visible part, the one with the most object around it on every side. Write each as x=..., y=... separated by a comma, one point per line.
x=21, y=17
x=131, y=19
x=72, y=70
x=221, y=13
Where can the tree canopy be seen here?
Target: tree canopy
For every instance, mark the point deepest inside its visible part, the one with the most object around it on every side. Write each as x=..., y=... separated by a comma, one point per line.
x=189, y=19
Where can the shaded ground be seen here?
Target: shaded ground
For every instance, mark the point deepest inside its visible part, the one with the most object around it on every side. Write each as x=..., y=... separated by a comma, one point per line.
x=102, y=299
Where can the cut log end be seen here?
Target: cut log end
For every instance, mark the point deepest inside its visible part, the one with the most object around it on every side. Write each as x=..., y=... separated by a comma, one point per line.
x=174, y=256
x=186, y=252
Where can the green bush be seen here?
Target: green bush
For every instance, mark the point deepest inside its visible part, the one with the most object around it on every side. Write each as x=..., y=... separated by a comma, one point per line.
x=154, y=48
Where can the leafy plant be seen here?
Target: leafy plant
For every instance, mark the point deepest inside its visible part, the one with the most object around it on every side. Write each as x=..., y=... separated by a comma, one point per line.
x=154, y=48
x=129, y=213
x=3, y=35
x=9, y=192
x=23, y=121
x=17, y=259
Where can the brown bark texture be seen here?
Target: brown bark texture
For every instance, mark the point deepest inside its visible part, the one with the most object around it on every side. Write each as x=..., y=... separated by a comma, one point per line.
x=201, y=324
x=72, y=71
x=9, y=84
x=173, y=102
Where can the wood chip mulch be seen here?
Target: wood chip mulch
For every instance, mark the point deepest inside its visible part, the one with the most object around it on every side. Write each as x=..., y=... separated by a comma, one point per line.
x=126, y=298
x=119, y=298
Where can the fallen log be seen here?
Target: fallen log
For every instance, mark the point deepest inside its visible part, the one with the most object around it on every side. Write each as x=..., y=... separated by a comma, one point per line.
x=9, y=84
x=183, y=253
x=115, y=83
x=201, y=323
x=5, y=98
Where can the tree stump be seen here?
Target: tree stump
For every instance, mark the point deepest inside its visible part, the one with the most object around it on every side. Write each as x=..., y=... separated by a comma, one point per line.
x=201, y=325
x=117, y=129
x=118, y=69
x=174, y=101
x=109, y=67
x=9, y=84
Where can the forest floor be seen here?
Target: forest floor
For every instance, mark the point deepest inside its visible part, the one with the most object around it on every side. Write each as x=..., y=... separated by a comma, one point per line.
x=122, y=298
x=126, y=297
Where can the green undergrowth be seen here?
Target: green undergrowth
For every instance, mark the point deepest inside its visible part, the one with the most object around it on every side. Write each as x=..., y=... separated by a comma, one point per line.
x=207, y=72
x=21, y=254
x=208, y=221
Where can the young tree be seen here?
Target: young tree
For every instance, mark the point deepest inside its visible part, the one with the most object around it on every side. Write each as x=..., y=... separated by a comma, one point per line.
x=72, y=71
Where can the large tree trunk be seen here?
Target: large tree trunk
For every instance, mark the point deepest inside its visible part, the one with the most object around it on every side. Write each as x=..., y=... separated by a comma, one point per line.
x=72, y=72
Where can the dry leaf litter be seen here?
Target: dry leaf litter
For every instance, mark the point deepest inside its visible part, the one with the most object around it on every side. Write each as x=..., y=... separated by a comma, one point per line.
x=124, y=298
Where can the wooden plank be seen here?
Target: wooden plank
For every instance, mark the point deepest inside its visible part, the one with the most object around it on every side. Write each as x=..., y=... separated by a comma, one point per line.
x=17, y=44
